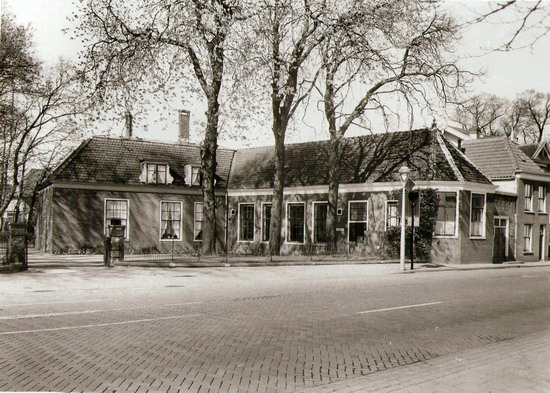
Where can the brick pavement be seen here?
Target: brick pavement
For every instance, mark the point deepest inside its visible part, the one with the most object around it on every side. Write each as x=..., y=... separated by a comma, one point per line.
x=268, y=329
x=517, y=365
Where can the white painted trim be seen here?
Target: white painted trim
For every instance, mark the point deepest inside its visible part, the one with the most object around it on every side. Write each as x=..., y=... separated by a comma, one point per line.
x=545, y=177
x=313, y=219
x=167, y=173
x=194, y=222
x=262, y=221
x=544, y=246
x=105, y=215
x=457, y=221
x=181, y=221
x=506, y=241
x=286, y=222
x=145, y=188
x=545, y=198
x=349, y=216
x=386, y=212
x=532, y=188
x=530, y=250
x=484, y=225
x=369, y=187
x=239, y=222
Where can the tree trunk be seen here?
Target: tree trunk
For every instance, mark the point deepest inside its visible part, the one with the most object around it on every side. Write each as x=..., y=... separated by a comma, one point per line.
x=334, y=182
x=208, y=156
x=278, y=187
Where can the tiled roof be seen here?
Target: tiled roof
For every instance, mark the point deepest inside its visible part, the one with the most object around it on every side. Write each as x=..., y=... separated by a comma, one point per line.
x=529, y=149
x=117, y=160
x=371, y=158
x=498, y=157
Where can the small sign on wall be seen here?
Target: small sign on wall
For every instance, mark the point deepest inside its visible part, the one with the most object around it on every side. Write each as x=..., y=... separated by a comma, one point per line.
x=339, y=229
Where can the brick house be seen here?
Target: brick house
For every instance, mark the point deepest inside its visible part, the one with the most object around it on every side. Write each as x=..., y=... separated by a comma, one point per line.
x=521, y=199
x=153, y=189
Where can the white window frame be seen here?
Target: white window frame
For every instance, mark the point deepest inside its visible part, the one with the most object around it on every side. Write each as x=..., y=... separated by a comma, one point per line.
x=262, y=221
x=350, y=202
x=239, y=240
x=455, y=236
x=198, y=181
x=287, y=222
x=530, y=187
x=483, y=215
x=530, y=250
x=156, y=164
x=195, y=222
x=181, y=221
x=542, y=187
x=386, y=213
x=313, y=219
x=105, y=215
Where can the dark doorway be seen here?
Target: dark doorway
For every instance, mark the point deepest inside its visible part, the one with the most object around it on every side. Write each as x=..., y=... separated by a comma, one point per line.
x=499, y=253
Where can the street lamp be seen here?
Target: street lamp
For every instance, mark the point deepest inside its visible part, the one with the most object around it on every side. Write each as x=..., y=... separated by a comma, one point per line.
x=404, y=175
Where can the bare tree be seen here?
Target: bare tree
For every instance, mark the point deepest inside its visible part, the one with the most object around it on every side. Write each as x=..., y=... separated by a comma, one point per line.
x=374, y=50
x=145, y=45
x=284, y=33
x=481, y=114
x=535, y=108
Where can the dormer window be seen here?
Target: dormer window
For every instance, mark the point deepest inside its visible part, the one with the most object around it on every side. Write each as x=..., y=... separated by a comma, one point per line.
x=195, y=176
x=155, y=173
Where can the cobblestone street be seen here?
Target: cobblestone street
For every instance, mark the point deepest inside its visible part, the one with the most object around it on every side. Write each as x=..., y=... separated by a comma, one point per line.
x=271, y=329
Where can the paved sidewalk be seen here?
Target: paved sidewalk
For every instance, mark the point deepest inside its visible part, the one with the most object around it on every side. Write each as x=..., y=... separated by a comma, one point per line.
x=517, y=365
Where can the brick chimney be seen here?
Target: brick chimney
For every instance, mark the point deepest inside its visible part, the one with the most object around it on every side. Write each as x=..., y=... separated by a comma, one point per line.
x=128, y=126
x=184, y=118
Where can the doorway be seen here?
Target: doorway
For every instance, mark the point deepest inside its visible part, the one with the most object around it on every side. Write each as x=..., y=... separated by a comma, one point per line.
x=542, y=237
x=500, y=247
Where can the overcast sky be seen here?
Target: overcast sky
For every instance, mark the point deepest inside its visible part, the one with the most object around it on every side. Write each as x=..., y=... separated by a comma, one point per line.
x=507, y=73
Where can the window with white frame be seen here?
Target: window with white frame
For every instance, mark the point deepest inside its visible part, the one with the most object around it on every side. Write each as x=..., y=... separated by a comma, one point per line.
x=156, y=173
x=477, y=215
x=527, y=237
x=392, y=214
x=195, y=176
x=197, y=222
x=445, y=224
x=246, y=222
x=116, y=213
x=358, y=220
x=170, y=220
x=320, y=212
x=528, y=197
x=266, y=221
x=295, y=222
x=542, y=198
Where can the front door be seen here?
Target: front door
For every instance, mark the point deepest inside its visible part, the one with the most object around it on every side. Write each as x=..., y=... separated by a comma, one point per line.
x=499, y=248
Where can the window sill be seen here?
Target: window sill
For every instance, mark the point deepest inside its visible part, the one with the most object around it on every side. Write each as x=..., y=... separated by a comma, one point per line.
x=528, y=253
x=445, y=237
x=478, y=238
x=245, y=241
x=529, y=212
x=542, y=212
x=170, y=240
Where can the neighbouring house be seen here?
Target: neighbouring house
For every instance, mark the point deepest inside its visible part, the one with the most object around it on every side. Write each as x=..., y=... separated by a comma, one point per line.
x=520, y=223
x=153, y=189
x=539, y=153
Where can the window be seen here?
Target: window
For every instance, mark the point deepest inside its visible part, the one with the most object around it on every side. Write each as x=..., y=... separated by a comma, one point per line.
x=246, y=222
x=295, y=219
x=195, y=176
x=116, y=213
x=445, y=224
x=528, y=197
x=392, y=214
x=528, y=238
x=170, y=220
x=266, y=221
x=156, y=173
x=477, y=215
x=320, y=212
x=197, y=231
x=542, y=198
x=357, y=220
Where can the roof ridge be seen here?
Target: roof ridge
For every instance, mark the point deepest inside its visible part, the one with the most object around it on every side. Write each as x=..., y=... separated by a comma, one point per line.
x=155, y=142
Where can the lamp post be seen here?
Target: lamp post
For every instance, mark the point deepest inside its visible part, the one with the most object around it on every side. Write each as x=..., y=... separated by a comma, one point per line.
x=404, y=175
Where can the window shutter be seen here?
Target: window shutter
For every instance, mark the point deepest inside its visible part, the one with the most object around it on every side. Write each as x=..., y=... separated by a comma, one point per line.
x=187, y=169
x=143, y=172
